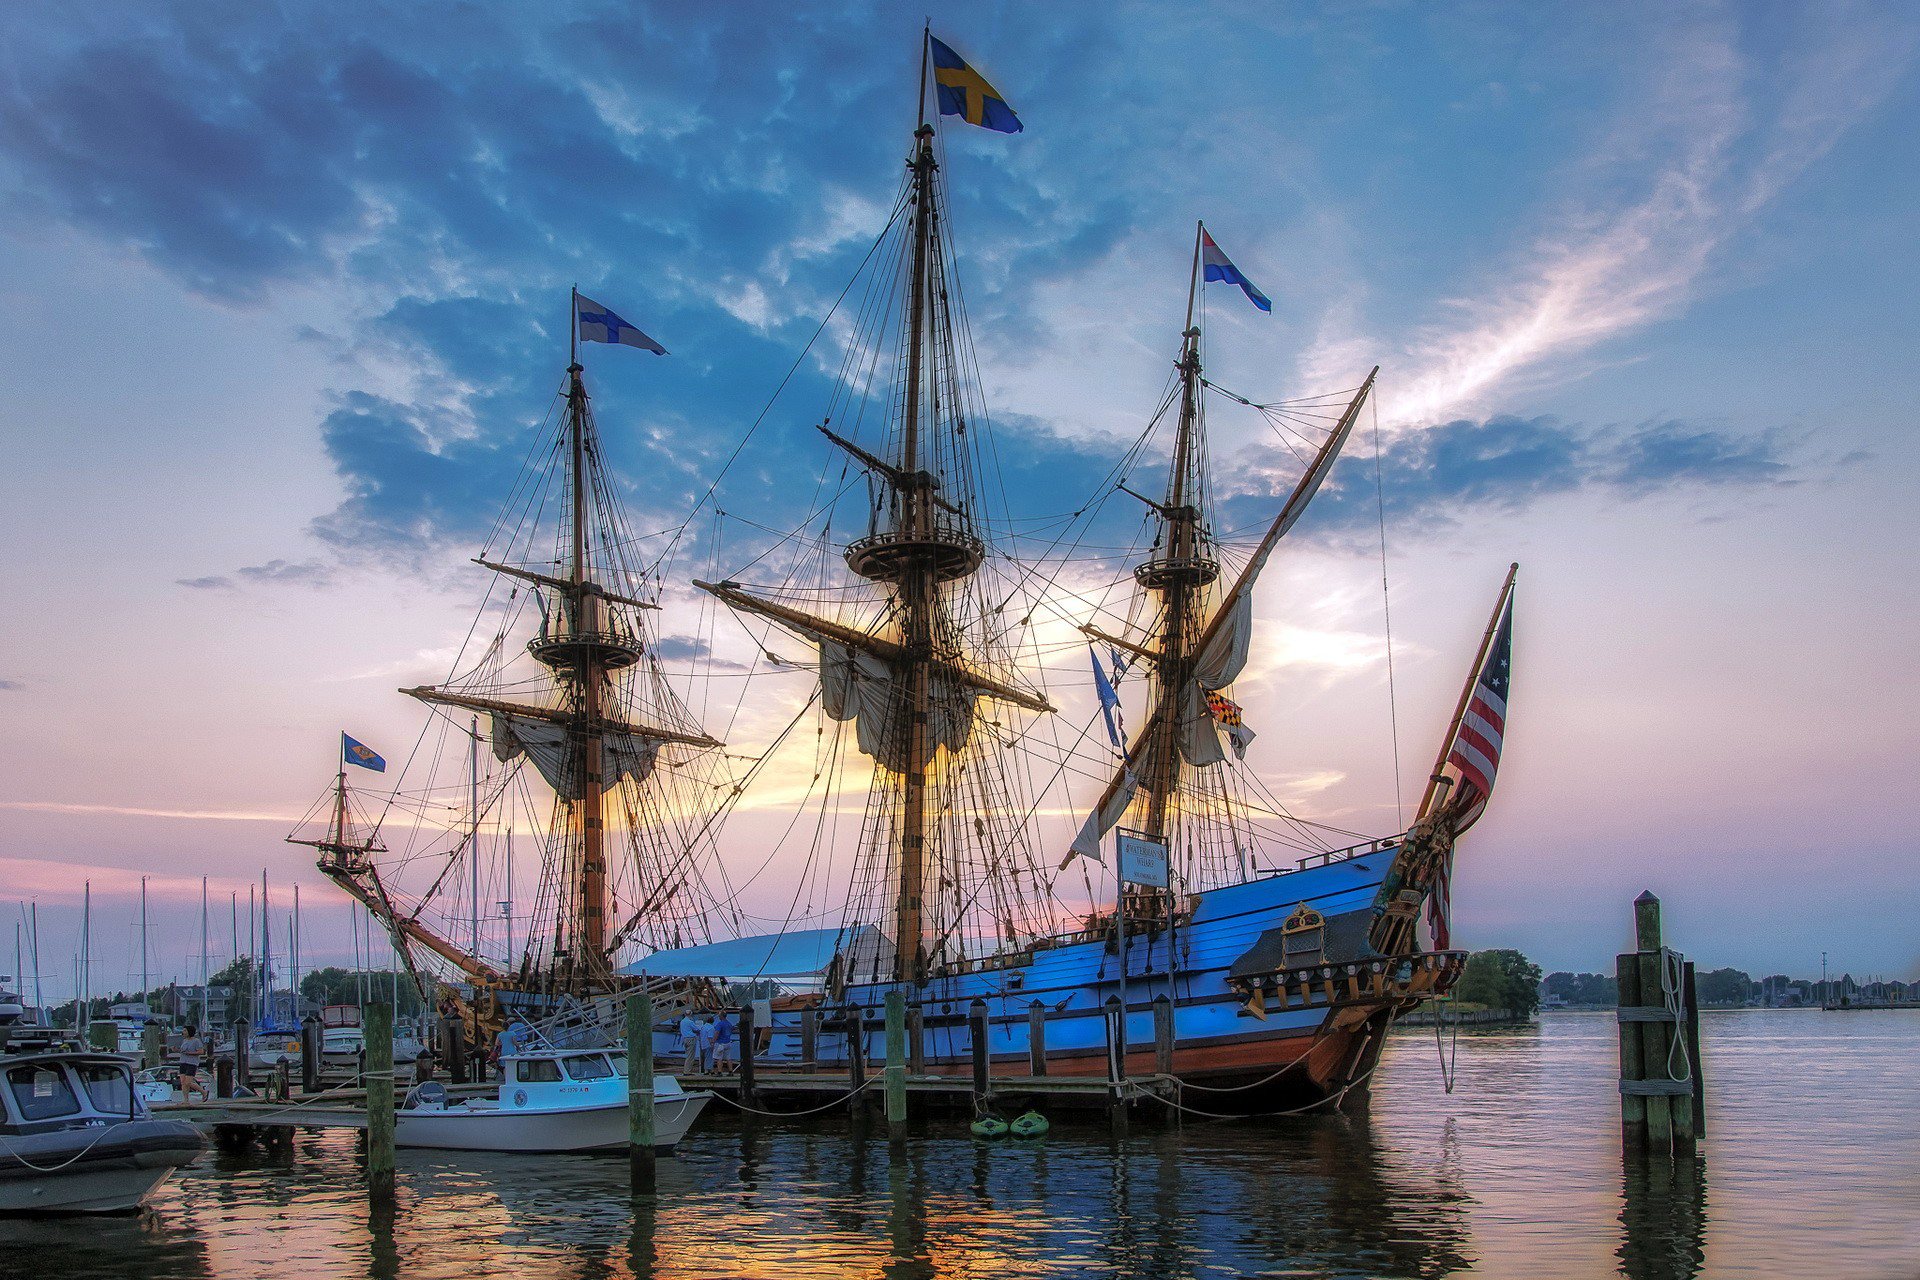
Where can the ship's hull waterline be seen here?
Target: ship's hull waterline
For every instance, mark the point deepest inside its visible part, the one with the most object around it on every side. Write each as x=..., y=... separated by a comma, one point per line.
x=1255, y=1026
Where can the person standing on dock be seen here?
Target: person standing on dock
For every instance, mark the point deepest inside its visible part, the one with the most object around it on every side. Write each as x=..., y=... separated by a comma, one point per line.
x=193, y=1051
x=723, y=1042
x=689, y=1042
x=708, y=1035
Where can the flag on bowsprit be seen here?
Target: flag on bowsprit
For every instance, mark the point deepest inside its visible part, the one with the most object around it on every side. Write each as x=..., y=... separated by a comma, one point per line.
x=964, y=92
x=1109, y=703
x=1475, y=752
x=600, y=324
x=1216, y=265
x=353, y=751
x=1226, y=713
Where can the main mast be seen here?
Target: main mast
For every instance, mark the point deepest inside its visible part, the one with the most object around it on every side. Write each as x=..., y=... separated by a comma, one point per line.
x=922, y=548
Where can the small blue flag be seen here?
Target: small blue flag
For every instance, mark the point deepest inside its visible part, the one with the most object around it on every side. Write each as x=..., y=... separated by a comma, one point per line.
x=1217, y=266
x=599, y=324
x=355, y=752
x=1109, y=704
x=964, y=92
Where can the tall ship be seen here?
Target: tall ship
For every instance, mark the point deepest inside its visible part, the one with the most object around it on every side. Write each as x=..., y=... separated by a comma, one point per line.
x=1246, y=981
x=558, y=724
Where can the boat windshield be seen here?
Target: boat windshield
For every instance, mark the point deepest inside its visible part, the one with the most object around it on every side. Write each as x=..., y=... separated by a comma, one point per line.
x=538, y=1071
x=619, y=1061
x=589, y=1067
x=41, y=1093
x=107, y=1088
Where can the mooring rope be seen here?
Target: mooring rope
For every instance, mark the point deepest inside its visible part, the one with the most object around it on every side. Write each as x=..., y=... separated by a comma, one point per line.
x=734, y=1102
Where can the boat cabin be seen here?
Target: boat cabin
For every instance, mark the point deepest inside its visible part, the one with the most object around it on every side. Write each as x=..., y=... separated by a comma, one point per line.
x=44, y=1092
x=549, y=1079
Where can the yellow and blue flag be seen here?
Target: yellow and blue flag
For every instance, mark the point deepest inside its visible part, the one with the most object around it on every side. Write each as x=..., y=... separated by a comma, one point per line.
x=964, y=92
x=356, y=752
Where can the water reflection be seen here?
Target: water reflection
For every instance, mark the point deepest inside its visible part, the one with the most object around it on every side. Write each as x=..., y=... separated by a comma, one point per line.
x=1663, y=1218
x=1517, y=1174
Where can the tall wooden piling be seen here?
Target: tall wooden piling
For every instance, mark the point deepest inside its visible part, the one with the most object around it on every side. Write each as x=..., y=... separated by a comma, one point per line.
x=1116, y=1020
x=453, y=1049
x=378, y=1029
x=749, y=1051
x=896, y=1069
x=1163, y=1034
x=856, y=1048
x=1037, y=1038
x=809, y=1039
x=1659, y=1058
x=977, y=1032
x=313, y=1042
x=242, y=1053
x=640, y=1135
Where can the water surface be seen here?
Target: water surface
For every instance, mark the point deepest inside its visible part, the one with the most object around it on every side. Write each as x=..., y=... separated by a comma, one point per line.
x=1811, y=1168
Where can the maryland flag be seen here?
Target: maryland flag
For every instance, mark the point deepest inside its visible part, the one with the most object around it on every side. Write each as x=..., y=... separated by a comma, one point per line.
x=1226, y=713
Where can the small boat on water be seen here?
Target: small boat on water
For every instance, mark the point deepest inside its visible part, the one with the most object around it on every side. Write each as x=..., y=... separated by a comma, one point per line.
x=76, y=1136
x=550, y=1100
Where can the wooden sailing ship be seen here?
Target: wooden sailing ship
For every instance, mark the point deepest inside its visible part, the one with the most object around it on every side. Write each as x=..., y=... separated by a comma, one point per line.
x=1277, y=985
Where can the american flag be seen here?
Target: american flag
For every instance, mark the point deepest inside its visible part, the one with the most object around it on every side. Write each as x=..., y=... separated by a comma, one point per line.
x=1475, y=752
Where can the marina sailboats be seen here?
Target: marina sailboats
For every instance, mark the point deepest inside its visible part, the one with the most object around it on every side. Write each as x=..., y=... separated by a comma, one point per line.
x=1251, y=984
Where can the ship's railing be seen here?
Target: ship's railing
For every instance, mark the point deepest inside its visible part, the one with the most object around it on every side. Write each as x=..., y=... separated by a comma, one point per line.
x=1330, y=856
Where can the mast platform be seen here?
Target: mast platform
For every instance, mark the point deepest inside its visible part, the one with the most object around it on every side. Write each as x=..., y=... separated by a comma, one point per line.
x=888, y=557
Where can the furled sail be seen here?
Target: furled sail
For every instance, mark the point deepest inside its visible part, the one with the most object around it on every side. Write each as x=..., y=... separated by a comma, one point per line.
x=862, y=687
x=548, y=745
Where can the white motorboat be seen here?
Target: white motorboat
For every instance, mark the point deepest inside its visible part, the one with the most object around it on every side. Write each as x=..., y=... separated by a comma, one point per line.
x=550, y=1100
x=76, y=1136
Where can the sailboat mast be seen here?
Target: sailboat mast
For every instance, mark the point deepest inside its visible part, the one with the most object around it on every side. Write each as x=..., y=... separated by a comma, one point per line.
x=473, y=831
x=203, y=1020
x=590, y=924
x=917, y=581
x=1179, y=575
x=145, y=980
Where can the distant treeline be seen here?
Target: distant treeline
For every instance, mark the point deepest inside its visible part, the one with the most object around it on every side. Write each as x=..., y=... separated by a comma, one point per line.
x=1716, y=986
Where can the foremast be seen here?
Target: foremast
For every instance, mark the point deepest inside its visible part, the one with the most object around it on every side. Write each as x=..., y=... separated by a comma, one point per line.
x=1193, y=649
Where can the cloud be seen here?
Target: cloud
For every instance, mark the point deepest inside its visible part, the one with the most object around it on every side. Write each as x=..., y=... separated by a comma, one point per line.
x=1433, y=476
x=1727, y=130
x=11, y=686
x=274, y=573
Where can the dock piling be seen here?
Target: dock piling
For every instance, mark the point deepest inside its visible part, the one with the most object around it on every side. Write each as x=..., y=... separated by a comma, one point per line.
x=749, y=1035
x=312, y=1045
x=379, y=1042
x=242, y=1051
x=1660, y=1087
x=1163, y=1034
x=1037, y=1039
x=809, y=1038
x=977, y=1040
x=896, y=1069
x=640, y=1135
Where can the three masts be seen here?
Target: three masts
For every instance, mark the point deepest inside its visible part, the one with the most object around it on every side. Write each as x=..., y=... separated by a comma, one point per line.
x=912, y=667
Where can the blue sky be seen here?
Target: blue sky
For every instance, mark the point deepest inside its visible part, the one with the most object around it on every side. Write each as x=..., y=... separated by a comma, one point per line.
x=286, y=289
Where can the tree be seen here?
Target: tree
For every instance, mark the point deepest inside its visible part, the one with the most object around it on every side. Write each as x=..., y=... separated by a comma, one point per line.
x=1501, y=979
x=1725, y=986
x=1584, y=988
x=334, y=985
x=240, y=978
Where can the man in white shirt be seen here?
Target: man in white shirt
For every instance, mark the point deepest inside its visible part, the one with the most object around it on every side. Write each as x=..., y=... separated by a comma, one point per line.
x=690, y=1042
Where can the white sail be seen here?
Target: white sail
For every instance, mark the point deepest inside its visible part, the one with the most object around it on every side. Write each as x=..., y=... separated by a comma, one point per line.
x=862, y=687
x=622, y=755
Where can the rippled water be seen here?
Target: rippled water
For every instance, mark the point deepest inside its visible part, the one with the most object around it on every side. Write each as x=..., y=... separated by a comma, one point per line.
x=1812, y=1168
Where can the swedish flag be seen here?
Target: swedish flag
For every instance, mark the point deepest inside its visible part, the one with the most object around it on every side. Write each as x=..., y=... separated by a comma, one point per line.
x=964, y=92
